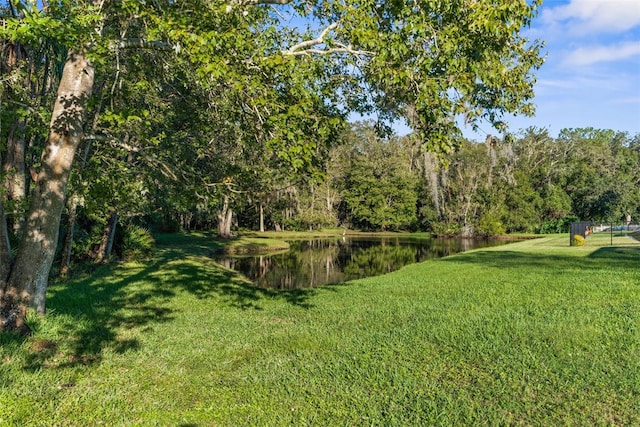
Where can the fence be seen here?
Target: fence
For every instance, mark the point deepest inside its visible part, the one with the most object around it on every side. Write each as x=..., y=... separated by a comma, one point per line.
x=615, y=227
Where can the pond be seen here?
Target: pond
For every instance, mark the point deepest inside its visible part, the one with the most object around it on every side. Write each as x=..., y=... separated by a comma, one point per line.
x=319, y=262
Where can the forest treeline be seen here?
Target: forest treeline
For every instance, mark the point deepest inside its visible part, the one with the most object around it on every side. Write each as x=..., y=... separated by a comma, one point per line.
x=529, y=183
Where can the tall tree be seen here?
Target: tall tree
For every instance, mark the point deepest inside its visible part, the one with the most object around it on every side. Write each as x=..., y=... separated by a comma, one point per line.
x=25, y=284
x=381, y=190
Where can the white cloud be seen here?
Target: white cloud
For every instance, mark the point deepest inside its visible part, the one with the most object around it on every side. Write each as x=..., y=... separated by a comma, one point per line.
x=594, y=54
x=601, y=16
x=557, y=84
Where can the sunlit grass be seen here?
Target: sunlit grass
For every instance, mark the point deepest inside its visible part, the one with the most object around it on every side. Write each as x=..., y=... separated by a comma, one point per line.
x=534, y=333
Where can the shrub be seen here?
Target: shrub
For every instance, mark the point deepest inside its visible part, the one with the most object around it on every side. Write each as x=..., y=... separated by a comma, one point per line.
x=559, y=225
x=137, y=243
x=489, y=225
x=578, y=240
x=444, y=229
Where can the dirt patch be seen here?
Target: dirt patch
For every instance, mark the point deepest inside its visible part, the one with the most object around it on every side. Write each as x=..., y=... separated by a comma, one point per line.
x=42, y=345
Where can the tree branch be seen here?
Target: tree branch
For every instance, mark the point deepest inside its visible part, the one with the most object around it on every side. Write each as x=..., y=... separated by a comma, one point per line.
x=318, y=40
x=307, y=47
x=241, y=3
x=344, y=49
x=257, y=2
x=164, y=168
x=143, y=44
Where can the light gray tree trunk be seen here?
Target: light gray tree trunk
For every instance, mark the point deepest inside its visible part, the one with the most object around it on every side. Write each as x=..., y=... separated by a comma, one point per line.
x=431, y=175
x=14, y=164
x=491, y=144
x=261, y=210
x=225, y=216
x=28, y=279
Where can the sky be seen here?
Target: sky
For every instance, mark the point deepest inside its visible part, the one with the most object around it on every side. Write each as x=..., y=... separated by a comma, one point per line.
x=591, y=75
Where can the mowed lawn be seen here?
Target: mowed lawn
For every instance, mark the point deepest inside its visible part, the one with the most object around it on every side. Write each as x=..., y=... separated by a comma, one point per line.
x=531, y=333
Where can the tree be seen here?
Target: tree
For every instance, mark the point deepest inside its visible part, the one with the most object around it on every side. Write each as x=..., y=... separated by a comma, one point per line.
x=601, y=178
x=523, y=206
x=381, y=190
x=25, y=280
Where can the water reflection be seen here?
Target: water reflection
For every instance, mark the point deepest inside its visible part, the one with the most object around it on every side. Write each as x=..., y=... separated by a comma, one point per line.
x=325, y=261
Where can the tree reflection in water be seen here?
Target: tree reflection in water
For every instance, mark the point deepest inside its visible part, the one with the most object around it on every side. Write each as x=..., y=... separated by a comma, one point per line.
x=319, y=262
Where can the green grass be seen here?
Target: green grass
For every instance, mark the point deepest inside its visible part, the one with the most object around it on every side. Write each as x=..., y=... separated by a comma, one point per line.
x=531, y=333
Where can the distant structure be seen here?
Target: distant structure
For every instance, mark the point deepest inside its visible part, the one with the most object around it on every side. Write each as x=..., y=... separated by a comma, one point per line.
x=582, y=228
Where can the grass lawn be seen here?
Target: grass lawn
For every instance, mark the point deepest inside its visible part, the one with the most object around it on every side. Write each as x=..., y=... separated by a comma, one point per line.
x=531, y=333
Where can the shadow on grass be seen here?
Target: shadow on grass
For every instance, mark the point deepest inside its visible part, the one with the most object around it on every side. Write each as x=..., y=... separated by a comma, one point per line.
x=617, y=255
x=206, y=279
x=96, y=311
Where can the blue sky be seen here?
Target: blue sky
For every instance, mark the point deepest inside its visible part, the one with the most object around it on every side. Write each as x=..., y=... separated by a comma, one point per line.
x=591, y=76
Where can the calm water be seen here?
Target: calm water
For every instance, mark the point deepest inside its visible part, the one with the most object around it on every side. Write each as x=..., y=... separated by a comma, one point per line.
x=325, y=261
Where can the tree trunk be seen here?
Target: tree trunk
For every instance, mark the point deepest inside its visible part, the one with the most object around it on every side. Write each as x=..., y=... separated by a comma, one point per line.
x=14, y=162
x=225, y=215
x=261, y=209
x=68, y=240
x=5, y=251
x=16, y=179
x=329, y=200
x=431, y=175
x=27, y=282
x=108, y=235
x=491, y=143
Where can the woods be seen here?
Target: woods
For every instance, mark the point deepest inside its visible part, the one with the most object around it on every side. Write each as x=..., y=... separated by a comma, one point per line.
x=524, y=183
x=170, y=114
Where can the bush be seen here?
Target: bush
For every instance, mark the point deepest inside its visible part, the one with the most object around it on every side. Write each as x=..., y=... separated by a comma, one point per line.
x=559, y=225
x=578, y=240
x=489, y=226
x=137, y=243
x=444, y=229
